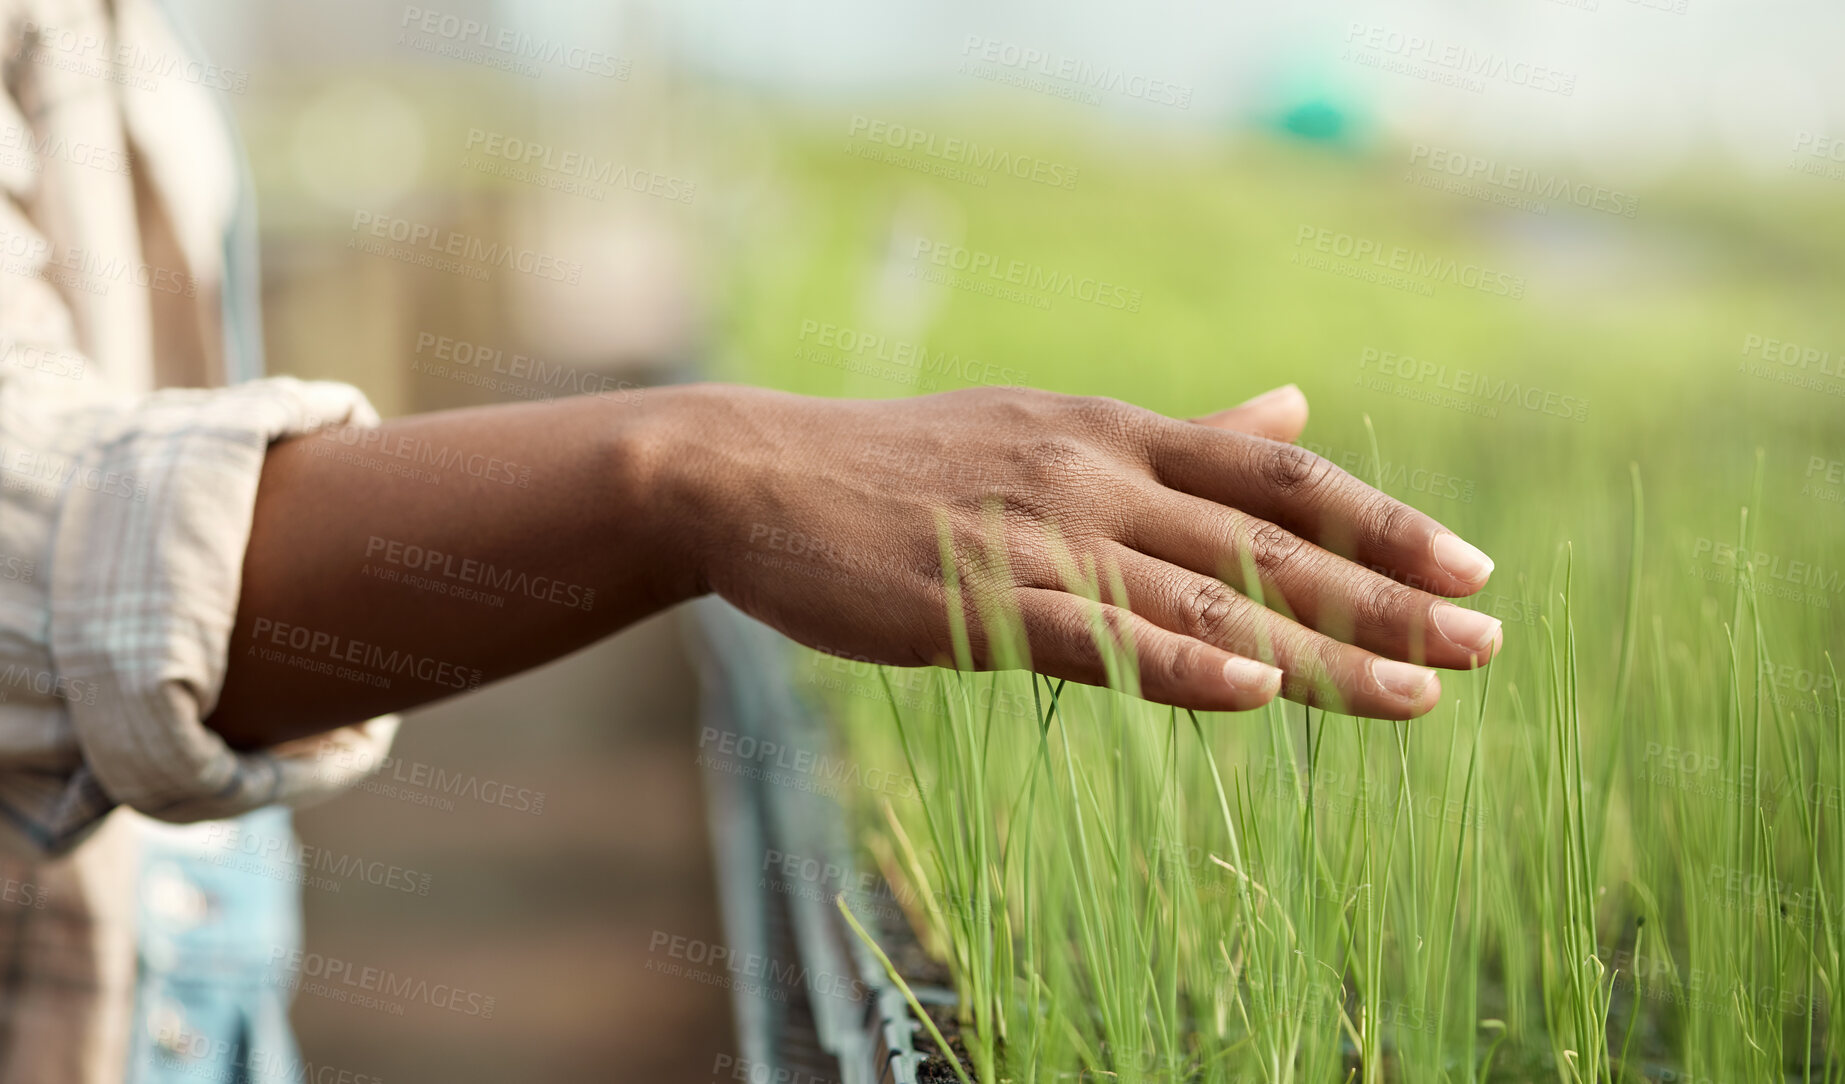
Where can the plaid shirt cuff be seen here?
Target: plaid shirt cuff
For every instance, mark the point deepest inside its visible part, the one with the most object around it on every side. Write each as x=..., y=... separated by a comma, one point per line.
x=146, y=569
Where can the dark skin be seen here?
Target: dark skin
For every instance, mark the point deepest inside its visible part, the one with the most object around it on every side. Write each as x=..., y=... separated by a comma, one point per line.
x=824, y=518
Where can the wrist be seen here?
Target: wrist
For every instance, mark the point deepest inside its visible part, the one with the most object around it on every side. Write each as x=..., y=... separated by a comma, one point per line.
x=673, y=465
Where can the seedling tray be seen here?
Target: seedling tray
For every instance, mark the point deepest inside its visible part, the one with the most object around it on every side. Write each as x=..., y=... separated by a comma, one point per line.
x=824, y=1011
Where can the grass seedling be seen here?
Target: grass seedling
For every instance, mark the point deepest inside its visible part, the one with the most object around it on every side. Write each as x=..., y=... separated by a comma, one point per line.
x=1616, y=848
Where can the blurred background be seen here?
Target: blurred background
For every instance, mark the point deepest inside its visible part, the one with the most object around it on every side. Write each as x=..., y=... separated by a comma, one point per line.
x=1530, y=241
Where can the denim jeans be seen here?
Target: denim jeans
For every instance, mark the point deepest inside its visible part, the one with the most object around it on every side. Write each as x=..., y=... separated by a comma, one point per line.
x=219, y=922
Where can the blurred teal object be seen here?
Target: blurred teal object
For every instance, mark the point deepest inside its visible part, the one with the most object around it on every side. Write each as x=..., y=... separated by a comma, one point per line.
x=1315, y=104
x=1319, y=120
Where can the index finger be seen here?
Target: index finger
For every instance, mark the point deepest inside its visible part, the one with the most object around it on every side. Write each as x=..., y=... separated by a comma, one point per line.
x=1294, y=488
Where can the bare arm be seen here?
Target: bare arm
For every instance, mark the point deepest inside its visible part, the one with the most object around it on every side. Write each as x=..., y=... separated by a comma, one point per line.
x=392, y=567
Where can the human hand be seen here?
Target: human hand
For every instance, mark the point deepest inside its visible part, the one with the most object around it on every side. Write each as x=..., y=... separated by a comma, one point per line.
x=824, y=518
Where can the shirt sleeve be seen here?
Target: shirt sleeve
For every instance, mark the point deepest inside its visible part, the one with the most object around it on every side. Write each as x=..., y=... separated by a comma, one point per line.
x=124, y=516
x=148, y=505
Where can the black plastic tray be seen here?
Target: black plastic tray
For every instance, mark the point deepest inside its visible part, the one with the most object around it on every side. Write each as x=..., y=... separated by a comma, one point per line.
x=832, y=1015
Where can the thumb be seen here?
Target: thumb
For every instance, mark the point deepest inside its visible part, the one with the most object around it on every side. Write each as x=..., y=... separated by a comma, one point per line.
x=1280, y=414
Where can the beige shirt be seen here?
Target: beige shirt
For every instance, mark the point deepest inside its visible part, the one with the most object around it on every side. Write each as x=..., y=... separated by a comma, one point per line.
x=124, y=510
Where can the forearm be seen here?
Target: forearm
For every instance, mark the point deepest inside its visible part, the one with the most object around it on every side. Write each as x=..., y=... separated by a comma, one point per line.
x=446, y=551
x=392, y=567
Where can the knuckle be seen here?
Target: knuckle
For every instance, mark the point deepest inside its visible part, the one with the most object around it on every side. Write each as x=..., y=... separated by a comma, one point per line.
x=1059, y=478
x=1014, y=407
x=1026, y=505
x=1040, y=504
x=1093, y=410
x=1117, y=423
x=1209, y=610
x=932, y=642
x=1380, y=603
x=1056, y=631
x=1090, y=633
x=1291, y=469
x=1332, y=664
x=1271, y=547
x=1072, y=629
x=1115, y=622
x=1178, y=665
x=1386, y=519
x=1055, y=458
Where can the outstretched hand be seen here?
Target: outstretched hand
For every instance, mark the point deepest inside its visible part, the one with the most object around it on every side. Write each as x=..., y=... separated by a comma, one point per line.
x=1235, y=564
x=825, y=519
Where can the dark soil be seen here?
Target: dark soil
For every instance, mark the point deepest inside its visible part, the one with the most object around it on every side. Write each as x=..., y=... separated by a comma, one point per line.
x=920, y=969
x=935, y=1069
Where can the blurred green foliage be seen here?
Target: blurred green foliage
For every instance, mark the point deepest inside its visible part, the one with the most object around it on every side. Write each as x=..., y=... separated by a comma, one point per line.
x=1657, y=340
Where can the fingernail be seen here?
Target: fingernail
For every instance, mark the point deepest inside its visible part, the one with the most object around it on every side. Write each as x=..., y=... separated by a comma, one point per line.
x=1401, y=678
x=1252, y=675
x=1460, y=560
x=1286, y=391
x=1466, y=628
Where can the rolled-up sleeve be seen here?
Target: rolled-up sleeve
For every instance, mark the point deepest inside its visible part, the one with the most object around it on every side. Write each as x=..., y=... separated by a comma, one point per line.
x=149, y=504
